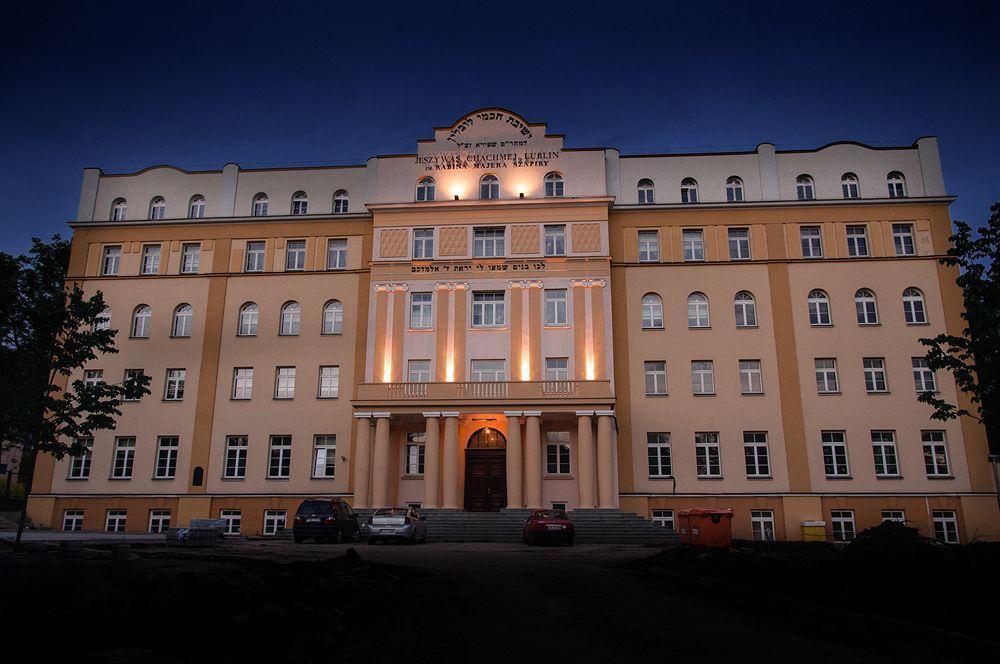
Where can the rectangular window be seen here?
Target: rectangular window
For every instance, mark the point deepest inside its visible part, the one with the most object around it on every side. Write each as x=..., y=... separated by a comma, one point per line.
x=751, y=379
x=656, y=378
x=131, y=374
x=739, y=244
x=857, y=241
x=151, y=259
x=485, y=371
x=702, y=377
x=413, y=463
x=159, y=521
x=762, y=525
x=842, y=522
x=884, y=451
x=255, y=256
x=663, y=518
x=190, y=258
x=555, y=307
x=557, y=368
x=92, y=377
x=111, y=261
x=694, y=245
x=279, y=461
x=423, y=243
x=557, y=453
x=336, y=254
x=812, y=242
x=421, y=311
x=755, y=453
x=274, y=522
x=923, y=377
x=233, y=518
x=945, y=526
x=555, y=240
x=875, y=379
x=489, y=242
x=898, y=516
x=72, y=520
x=324, y=457
x=935, y=453
x=707, y=455
x=79, y=465
x=174, y=388
x=242, y=383
x=295, y=255
x=902, y=239
x=166, y=457
x=121, y=469
x=826, y=376
x=835, y=454
x=649, y=246
x=488, y=309
x=658, y=452
x=236, y=457
x=418, y=371
x=114, y=521
x=329, y=382
x=284, y=383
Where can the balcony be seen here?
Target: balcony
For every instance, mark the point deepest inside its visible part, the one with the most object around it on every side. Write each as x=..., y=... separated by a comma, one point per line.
x=520, y=392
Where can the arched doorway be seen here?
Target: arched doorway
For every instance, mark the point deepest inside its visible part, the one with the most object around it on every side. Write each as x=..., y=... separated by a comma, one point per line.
x=486, y=471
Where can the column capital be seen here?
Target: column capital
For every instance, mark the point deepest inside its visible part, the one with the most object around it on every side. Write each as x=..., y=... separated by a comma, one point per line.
x=587, y=283
x=432, y=414
x=452, y=285
x=449, y=413
x=532, y=413
x=385, y=414
x=513, y=413
x=388, y=288
x=525, y=284
x=363, y=416
x=585, y=413
x=604, y=413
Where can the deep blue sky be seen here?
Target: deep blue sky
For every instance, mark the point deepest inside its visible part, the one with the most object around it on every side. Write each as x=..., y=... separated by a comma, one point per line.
x=126, y=86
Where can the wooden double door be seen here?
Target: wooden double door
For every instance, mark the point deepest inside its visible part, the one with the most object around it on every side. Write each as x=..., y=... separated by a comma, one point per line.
x=485, y=480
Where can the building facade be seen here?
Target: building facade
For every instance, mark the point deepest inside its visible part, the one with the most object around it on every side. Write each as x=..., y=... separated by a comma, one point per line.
x=500, y=321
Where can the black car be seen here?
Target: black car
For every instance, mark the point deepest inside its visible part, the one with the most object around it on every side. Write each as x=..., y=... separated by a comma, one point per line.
x=326, y=521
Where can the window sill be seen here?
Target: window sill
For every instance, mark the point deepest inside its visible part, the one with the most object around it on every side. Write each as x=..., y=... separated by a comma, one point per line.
x=924, y=324
x=869, y=324
x=657, y=478
x=319, y=398
x=235, y=399
x=556, y=327
x=420, y=329
x=77, y=479
x=282, y=398
x=699, y=327
x=163, y=479
x=653, y=329
x=277, y=479
x=488, y=328
x=940, y=477
x=414, y=476
x=712, y=478
x=820, y=324
x=664, y=394
x=752, y=394
x=119, y=479
x=246, y=336
x=703, y=394
x=888, y=477
x=331, y=334
x=765, y=478
x=748, y=327
x=548, y=476
x=232, y=479
x=179, y=336
x=171, y=400
x=836, y=478
x=877, y=392
x=323, y=479
x=829, y=394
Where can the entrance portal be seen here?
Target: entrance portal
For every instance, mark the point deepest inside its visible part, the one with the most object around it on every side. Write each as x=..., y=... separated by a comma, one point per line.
x=486, y=471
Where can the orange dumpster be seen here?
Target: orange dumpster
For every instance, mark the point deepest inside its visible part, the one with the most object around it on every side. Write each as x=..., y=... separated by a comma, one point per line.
x=706, y=527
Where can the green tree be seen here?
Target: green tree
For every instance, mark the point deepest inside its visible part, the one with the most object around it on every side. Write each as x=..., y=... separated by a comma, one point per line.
x=48, y=330
x=973, y=359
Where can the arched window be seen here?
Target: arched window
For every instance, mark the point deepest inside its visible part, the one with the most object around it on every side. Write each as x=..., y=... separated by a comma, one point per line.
x=689, y=190
x=805, y=190
x=291, y=316
x=897, y=184
x=864, y=303
x=118, y=208
x=141, y=318
x=259, y=208
x=914, y=311
x=300, y=203
x=157, y=208
x=487, y=438
x=183, y=317
x=103, y=321
x=734, y=189
x=196, y=208
x=819, y=308
x=554, y=185
x=425, y=189
x=333, y=317
x=249, y=317
x=489, y=187
x=340, y=201
x=697, y=310
x=652, y=312
x=746, y=309
x=646, y=192
x=849, y=185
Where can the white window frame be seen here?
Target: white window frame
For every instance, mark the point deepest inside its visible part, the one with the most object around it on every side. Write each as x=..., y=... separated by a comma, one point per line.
x=884, y=453
x=811, y=239
x=857, y=241
x=150, y=259
x=842, y=525
x=426, y=190
x=849, y=186
x=256, y=250
x=655, y=373
x=341, y=201
x=336, y=253
x=557, y=368
x=300, y=203
x=945, y=526
x=762, y=525
x=734, y=189
x=489, y=187
x=827, y=380
x=924, y=379
x=295, y=255
x=689, y=190
x=556, y=307
x=418, y=371
x=258, y=207
x=249, y=320
x=423, y=244
x=663, y=518
x=142, y=318
x=421, y=310
x=651, y=307
x=190, y=257
x=489, y=309
x=699, y=314
x=658, y=456
x=159, y=521
x=555, y=239
x=903, y=240
x=196, y=207
x=123, y=460
x=167, y=452
x=413, y=453
x=279, y=457
x=111, y=260
x=751, y=377
x=234, y=521
x=274, y=522
x=708, y=455
x=157, y=208
x=284, y=382
x=648, y=246
x=488, y=371
x=896, y=184
x=333, y=317
x=937, y=462
x=242, y=383
x=558, y=456
x=290, y=322
x=745, y=309
x=876, y=376
x=836, y=462
x=489, y=242
x=79, y=464
x=756, y=454
x=173, y=388
x=324, y=466
x=866, y=306
x=897, y=516
x=115, y=520
x=805, y=188
x=555, y=185
x=119, y=207
x=739, y=244
x=646, y=192
x=183, y=321
x=914, y=307
x=702, y=377
x=820, y=311
x=328, y=385
x=235, y=465
x=693, y=241
x=72, y=520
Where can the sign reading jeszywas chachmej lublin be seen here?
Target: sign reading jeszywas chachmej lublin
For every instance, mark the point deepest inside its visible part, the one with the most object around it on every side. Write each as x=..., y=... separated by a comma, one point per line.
x=488, y=153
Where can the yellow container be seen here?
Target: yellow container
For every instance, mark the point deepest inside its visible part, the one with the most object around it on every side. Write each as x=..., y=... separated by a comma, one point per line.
x=814, y=531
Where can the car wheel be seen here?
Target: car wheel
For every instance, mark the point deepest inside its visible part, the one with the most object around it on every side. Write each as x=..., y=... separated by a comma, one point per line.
x=357, y=535
x=339, y=537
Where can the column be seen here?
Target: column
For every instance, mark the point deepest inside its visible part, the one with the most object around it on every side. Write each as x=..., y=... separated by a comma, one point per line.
x=585, y=457
x=533, y=458
x=515, y=464
x=605, y=461
x=450, y=472
x=362, y=459
x=432, y=460
x=380, y=461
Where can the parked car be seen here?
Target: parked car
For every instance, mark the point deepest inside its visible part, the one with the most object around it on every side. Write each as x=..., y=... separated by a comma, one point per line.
x=326, y=521
x=549, y=526
x=397, y=523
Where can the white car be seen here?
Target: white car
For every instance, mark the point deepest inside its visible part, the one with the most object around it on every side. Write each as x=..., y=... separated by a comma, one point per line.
x=396, y=523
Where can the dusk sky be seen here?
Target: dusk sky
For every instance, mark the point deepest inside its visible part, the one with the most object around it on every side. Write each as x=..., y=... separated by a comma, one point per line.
x=124, y=86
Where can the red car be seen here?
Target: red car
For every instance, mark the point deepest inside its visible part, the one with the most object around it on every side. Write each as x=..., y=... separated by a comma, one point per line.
x=548, y=526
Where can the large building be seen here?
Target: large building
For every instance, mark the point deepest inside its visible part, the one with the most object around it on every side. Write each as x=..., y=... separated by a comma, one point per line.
x=500, y=321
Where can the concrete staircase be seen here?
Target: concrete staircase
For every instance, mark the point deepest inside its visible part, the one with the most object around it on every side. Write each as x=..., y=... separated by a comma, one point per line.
x=595, y=526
